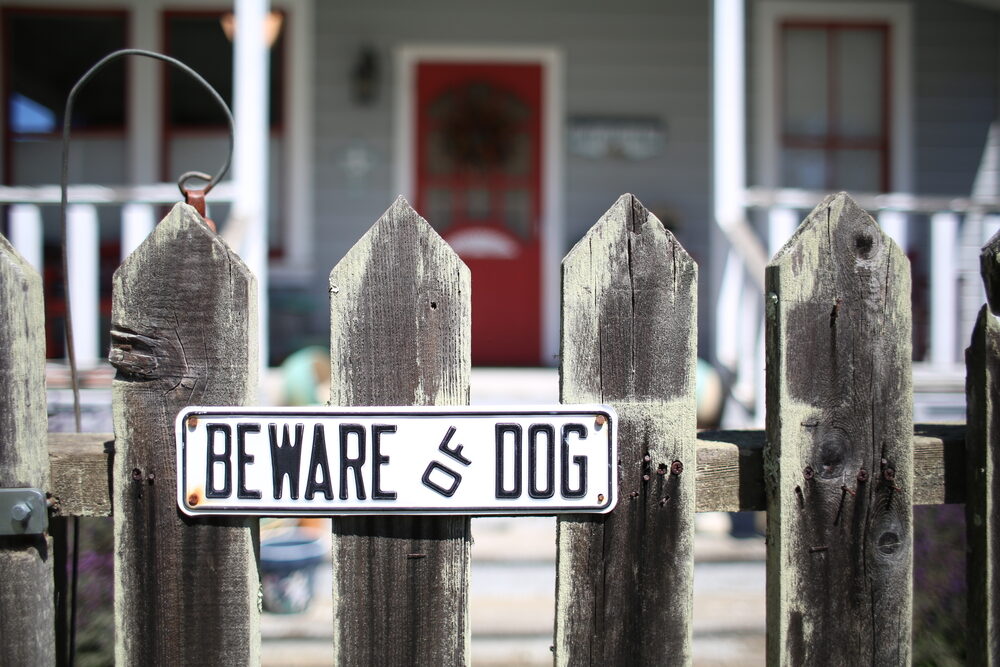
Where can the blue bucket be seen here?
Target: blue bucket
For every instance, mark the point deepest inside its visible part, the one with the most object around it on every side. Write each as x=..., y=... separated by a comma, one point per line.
x=288, y=566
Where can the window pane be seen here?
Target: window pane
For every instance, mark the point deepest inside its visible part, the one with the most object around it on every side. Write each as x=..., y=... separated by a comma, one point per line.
x=803, y=168
x=48, y=52
x=517, y=212
x=858, y=170
x=477, y=204
x=804, y=78
x=199, y=41
x=439, y=208
x=860, y=68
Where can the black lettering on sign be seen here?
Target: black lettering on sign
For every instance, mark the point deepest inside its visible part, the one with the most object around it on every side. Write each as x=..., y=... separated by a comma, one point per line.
x=225, y=458
x=550, y=461
x=501, y=431
x=318, y=462
x=456, y=479
x=285, y=459
x=378, y=461
x=243, y=460
x=580, y=461
x=454, y=452
x=348, y=462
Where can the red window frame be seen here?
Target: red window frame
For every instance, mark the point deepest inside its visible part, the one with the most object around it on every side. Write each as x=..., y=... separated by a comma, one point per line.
x=115, y=131
x=833, y=141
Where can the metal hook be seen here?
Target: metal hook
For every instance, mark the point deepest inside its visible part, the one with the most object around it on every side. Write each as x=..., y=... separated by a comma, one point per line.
x=64, y=179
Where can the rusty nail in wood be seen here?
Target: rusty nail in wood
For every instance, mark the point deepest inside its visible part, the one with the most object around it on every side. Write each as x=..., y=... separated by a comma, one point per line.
x=808, y=472
x=663, y=500
x=647, y=458
x=676, y=468
x=634, y=494
x=150, y=477
x=193, y=499
x=889, y=474
x=601, y=420
x=847, y=490
x=661, y=469
x=136, y=474
x=413, y=556
x=862, y=475
x=645, y=478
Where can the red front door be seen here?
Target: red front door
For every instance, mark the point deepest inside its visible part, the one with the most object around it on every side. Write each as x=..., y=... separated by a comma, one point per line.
x=478, y=182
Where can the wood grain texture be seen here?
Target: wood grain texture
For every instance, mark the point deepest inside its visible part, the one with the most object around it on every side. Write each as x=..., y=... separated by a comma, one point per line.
x=982, y=509
x=27, y=615
x=184, y=332
x=400, y=335
x=82, y=471
x=839, y=461
x=624, y=580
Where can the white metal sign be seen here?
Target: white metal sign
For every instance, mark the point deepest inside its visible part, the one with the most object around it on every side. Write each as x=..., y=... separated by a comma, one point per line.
x=387, y=460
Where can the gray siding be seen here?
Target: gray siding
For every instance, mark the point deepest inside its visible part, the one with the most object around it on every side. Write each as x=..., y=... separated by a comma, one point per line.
x=956, y=81
x=636, y=57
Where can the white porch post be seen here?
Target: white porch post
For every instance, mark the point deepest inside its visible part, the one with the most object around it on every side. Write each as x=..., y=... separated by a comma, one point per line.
x=250, y=108
x=728, y=113
x=83, y=243
x=26, y=233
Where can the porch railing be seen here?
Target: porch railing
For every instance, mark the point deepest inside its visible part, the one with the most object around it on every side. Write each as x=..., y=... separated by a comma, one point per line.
x=941, y=235
x=138, y=213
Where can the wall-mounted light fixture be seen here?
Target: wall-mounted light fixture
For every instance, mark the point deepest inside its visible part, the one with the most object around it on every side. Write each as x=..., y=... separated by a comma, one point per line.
x=365, y=76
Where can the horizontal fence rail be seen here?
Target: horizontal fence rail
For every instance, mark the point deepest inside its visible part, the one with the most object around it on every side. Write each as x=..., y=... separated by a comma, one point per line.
x=729, y=474
x=837, y=469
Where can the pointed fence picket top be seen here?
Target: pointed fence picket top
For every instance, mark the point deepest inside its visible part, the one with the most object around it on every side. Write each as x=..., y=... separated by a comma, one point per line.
x=624, y=580
x=27, y=622
x=184, y=332
x=839, y=458
x=982, y=457
x=400, y=335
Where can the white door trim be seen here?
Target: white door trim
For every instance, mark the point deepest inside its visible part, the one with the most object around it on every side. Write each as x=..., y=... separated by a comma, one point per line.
x=766, y=124
x=552, y=214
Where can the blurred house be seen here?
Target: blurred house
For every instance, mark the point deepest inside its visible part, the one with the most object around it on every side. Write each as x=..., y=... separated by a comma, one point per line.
x=512, y=126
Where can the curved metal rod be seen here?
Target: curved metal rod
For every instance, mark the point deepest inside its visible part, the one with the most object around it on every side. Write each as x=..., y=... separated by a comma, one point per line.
x=64, y=179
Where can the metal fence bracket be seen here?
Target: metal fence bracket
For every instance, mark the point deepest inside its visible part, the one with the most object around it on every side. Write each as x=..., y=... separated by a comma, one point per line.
x=23, y=512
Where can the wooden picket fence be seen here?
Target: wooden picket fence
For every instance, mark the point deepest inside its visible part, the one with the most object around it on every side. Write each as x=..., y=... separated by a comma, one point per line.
x=837, y=469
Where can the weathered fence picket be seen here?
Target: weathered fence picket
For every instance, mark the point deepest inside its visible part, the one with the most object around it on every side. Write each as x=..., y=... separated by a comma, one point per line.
x=400, y=334
x=838, y=465
x=982, y=456
x=836, y=473
x=27, y=615
x=624, y=588
x=183, y=333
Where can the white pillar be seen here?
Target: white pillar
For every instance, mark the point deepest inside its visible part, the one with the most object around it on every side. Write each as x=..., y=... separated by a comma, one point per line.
x=82, y=246
x=944, y=288
x=894, y=224
x=250, y=106
x=781, y=224
x=26, y=233
x=137, y=223
x=728, y=112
